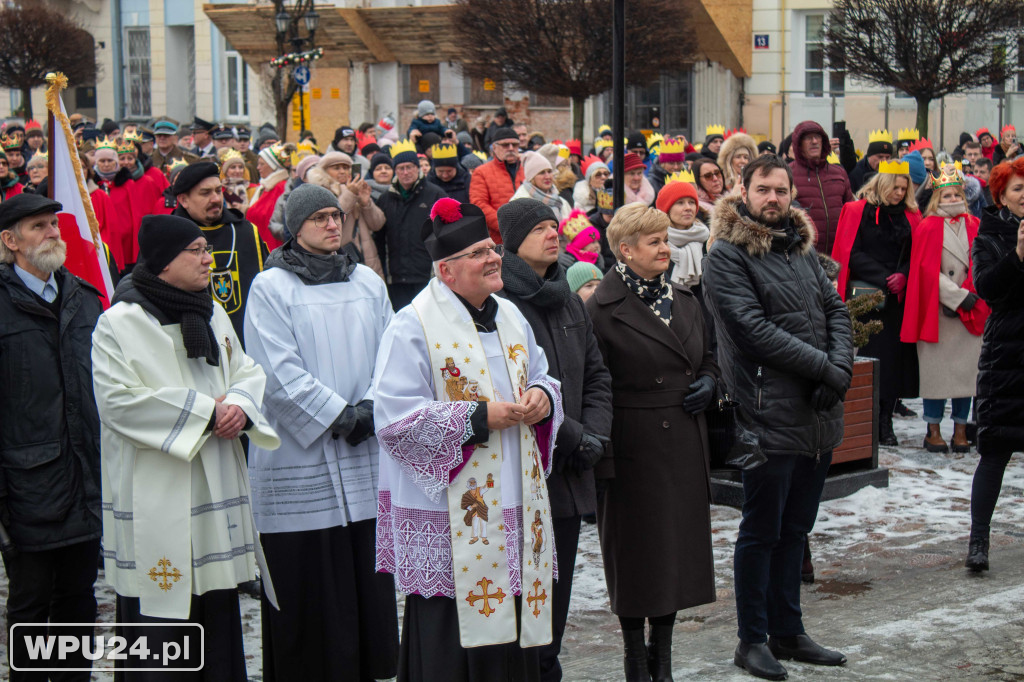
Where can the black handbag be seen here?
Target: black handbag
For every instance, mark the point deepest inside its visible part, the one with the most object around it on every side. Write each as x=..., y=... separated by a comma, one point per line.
x=733, y=446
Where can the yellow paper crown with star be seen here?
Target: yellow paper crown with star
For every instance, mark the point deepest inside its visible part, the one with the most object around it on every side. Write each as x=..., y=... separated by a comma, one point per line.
x=950, y=174
x=653, y=140
x=879, y=136
x=126, y=146
x=681, y=176
x=9, y=143
x=106, y=143
x=908, y=134
x=402, y=146
x=894, y=168
x=444, y=151
x=715, y=130
x=832, y=158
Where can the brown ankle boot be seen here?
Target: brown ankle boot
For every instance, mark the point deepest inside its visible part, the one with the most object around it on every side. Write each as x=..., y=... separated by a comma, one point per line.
x=960, y=442
x=933, y=441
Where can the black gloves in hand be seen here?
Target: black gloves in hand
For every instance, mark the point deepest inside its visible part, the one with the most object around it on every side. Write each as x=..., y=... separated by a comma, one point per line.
x=824, y=398
x=588, y=452
x=968, y=302
x=702, y=391
x=355, y=423
x=836, y=379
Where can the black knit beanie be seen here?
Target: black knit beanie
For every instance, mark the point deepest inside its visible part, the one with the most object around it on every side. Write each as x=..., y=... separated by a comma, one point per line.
x=162, y=238
x=518, y=217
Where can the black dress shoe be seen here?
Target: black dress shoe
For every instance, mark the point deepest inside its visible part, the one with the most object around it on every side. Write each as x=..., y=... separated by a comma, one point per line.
x=903, y=411
x=803, y=648
x=889, y=440
x=758, y=660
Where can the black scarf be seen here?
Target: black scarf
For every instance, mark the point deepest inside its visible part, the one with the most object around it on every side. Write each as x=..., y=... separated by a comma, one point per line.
x=551, y=292
x=193, y=309
x=483, y=318
x=311, y=268
x=655, y=293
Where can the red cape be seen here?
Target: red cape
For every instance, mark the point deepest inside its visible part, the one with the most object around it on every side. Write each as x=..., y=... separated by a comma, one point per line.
x=846, y=235
x=260, y=213
x=921, y=316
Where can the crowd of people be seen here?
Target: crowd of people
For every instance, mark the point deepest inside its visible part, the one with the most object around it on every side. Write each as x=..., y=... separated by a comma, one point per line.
x=423, y=361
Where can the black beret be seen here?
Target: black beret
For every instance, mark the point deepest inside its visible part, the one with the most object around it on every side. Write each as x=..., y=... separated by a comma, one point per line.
x=192, y=175
x=24, y=205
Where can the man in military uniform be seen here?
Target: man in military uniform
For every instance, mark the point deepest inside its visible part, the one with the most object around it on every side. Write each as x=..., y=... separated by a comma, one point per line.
x=202, y=138
x=167, y=150
x=238, y=252
x=223, y=137
x=242, y=138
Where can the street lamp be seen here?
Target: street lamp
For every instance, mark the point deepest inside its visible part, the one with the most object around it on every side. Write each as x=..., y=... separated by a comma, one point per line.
x=312, y=20
x=283, y=24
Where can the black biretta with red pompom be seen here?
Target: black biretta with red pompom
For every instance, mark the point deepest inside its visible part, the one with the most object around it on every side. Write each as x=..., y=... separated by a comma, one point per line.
x=452, y=227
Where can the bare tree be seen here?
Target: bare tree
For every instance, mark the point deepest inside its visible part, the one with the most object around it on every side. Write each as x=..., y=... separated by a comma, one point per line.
x=926, y=48
x=564, y=47
x=37, y=40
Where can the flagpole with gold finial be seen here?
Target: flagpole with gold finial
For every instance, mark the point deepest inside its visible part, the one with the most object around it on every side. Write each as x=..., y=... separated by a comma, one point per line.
x=55, y=83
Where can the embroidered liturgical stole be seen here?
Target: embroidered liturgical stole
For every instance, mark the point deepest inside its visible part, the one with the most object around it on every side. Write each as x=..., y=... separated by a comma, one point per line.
x=483, y=595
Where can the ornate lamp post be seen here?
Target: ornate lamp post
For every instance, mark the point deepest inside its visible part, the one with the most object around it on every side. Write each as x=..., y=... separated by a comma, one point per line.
x=287, y=25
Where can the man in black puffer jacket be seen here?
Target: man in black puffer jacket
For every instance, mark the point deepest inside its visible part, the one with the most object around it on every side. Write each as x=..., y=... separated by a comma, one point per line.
x=49, y=429
x=536, y=283
x=785, y=347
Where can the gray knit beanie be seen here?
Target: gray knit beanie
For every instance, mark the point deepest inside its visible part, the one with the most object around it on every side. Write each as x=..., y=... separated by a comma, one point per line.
x=425, y=107
x=304, y=201
x=518, y=217
x=471, y=161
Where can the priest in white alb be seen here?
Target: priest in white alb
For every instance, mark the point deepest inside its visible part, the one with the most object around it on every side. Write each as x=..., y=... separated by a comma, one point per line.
x=465, y=412
x=174, y=392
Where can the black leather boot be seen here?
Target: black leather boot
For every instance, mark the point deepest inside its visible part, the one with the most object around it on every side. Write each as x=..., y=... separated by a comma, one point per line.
x=635, y=659
x=977, y=550
x=659, y=653
x=758, y=660
x=803, y=648
x=886, y=435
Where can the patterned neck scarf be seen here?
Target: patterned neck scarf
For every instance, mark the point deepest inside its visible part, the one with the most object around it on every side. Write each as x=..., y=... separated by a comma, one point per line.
x=655, y=293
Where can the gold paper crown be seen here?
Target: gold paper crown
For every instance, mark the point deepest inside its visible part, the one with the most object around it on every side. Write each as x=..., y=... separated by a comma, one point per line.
x=231, y=155
x=106, y=143
x=176, y=163
x=9, y=143
x=879, y=136
x=403, y=146
x=681, y=176
x=563, y=151
x=480, y=155
x=908, y=134
x=603, y=144
x=951, y=174
x=894, y=168
x=132, y=136
x=715, y=130
x=673, y=147
x=832, y=158
x=126, y=146
x=279, y=153
x=574, y=224
x=444, y=151
x=605, y=202
x=654, y=140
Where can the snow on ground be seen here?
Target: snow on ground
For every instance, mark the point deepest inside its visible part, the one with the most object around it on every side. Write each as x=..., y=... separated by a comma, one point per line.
x=926, y=504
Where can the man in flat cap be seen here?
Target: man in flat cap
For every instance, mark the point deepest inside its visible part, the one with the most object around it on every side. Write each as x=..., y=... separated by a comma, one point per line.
x=167, y=150
x=202, y=138
x=466, y=417
x=175, y=390
x=310, y=308
x=50, y=431
x=238, y=252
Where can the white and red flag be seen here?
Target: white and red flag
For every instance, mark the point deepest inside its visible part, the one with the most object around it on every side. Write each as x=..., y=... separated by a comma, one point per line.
x=87, y=256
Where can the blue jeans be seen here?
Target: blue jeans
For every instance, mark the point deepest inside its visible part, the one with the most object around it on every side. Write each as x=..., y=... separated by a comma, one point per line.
x=780, y=504
x=934, y=408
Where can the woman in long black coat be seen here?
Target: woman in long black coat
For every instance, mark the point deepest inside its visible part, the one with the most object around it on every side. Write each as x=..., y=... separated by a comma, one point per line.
x=872, y=245
x=654, y=516
x=998, y=257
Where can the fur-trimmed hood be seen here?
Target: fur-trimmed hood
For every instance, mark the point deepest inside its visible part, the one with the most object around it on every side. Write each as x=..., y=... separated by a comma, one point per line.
x=728, y=225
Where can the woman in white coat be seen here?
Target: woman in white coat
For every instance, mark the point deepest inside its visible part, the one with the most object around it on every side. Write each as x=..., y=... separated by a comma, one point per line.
x=539, y=184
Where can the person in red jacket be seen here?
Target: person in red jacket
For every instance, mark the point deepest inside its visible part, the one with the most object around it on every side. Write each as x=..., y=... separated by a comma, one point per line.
x=147, y=184
x=118, y=184
x=274, y=166
x=821, y=188
x=9, y=185
x=494, y=183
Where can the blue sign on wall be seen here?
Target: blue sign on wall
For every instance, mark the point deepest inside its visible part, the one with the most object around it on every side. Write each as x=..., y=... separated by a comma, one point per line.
x=760, y=41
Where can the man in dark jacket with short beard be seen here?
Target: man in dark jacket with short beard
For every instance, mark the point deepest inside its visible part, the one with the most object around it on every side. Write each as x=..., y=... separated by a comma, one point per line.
x=49, y=430
x=536, y=284
x=786, y=351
